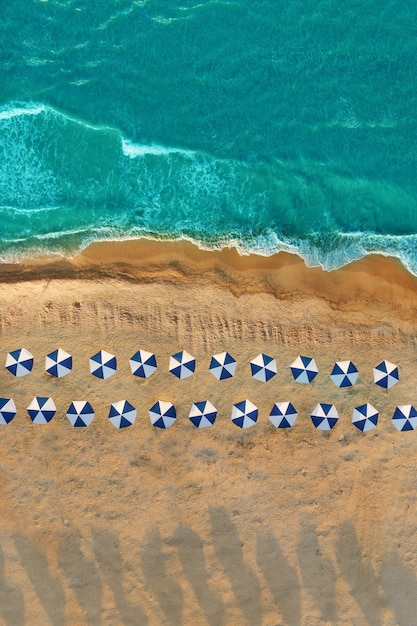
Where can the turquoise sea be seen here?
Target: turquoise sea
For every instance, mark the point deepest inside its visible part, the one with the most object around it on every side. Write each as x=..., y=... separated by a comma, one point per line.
x=265, y=124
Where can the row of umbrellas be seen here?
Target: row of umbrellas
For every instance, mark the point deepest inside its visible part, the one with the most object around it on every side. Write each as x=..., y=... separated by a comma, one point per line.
x=182, y=365
x=203, y=414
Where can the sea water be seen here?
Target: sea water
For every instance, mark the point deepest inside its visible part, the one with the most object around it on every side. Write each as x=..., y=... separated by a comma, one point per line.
x=262, y=124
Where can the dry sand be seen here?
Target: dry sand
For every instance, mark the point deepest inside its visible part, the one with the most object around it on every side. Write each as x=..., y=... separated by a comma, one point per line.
x=219, y=526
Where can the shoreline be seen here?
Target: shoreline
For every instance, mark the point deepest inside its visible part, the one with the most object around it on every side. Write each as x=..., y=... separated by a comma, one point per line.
x=375, y=277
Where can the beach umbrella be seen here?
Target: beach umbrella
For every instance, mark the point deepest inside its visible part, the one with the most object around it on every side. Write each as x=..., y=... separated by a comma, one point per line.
x=405, y=417
x=162, y=414
x=283, y=415
x=182, y=364
x=143, y=364
x=203, y=414
x=58, y=363
x=263, y=367
x=80, y=413
x=304, y=369
x=244, y=414
x=324, y=416
x=103, y=364
x=19, y=362
x=365, y=417
x=386, y=375
x=222, y=365
x=7, y=410
x=41, y=410
x=122, y=414
x=344, y=374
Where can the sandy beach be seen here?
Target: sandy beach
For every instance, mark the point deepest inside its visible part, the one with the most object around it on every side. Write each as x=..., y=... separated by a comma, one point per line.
x=261, y=527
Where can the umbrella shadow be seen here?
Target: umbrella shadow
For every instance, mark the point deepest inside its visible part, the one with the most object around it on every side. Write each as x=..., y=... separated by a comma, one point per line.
x=107, y=552
x=359, y=574
x=47, y=587
x=168, y=592
x=282, y=579
x=228, y=547
x=318, y=574
x=12, y=602
x=399, y=584
x=190, y=550
x=82, y=575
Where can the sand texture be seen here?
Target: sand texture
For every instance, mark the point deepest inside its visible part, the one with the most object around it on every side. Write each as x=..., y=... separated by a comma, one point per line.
x=218, y=526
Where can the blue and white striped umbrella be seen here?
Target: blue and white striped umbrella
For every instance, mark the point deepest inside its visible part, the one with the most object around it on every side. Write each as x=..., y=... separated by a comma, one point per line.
x=122, y=414
x=203, y=414
x=283, y=415
x=58, y=363
x=344, y=374
x=80, y=413
x=7, y=410
x=162, y=414
x=405, y=417
x=19, y=362
x=263, y=367
x=386, y=375
x=182, y=364
x=41, y=410
x=304, y=369
x=244, y=414
x=365, y=417
x=103, y=364
x=143, y=364
x=222, y=366
x=324, y=416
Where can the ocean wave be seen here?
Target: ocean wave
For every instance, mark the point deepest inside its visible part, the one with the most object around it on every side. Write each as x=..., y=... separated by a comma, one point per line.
x=11, y=111
x=65, y=182
x=29, y=210
x=134, y=150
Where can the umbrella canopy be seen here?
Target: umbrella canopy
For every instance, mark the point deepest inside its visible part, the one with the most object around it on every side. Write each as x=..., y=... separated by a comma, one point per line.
x=103, y=364
x=365, y=417
x=80, y=413
x=162, y=414
x=244, y=414
x=304, y=369
x=386, y=375
x=222, y=365
x=182, y=364
x=58, y=363
x=283, y=415
x=7, y=410
x=19, y=362
x=41, y=410
x=263, y=367
x=405, y=417
x=324, y=416
x=344, y=374
x=203, y=414
x=122, y=414
x=143, y=364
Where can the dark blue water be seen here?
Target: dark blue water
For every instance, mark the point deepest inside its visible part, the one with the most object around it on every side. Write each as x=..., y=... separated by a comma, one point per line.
x=262, y=124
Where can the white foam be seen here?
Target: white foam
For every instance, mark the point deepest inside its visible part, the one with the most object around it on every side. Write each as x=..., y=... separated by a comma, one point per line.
x=134, y=150
x=9, y=112
x=29, y=211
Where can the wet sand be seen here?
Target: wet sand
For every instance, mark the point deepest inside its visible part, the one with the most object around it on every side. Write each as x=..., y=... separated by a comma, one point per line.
x=218, y=526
